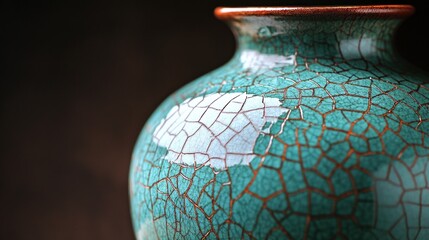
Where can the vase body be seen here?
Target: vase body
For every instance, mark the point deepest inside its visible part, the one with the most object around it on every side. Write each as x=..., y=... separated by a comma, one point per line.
x=314, y=130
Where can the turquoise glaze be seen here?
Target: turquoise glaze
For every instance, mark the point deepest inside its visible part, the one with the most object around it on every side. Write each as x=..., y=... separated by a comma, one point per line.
x=314, y=130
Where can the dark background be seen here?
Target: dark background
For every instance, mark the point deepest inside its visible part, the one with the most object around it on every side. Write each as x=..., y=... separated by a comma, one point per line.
x=78, y=81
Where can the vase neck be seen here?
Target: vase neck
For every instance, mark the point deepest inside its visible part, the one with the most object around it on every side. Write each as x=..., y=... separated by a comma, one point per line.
x=291, y=38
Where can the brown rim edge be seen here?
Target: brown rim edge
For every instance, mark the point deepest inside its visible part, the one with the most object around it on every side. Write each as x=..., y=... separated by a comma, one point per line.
x=390, y=11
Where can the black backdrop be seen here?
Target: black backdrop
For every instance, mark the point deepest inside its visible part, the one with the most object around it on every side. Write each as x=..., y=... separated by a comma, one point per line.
x=79, y=79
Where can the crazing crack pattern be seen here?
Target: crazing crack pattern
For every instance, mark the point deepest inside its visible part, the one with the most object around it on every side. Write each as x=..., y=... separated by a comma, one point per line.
x=313, y=130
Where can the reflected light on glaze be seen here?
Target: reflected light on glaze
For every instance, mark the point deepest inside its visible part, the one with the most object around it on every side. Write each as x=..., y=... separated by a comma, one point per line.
x=357, y=48
x=217, y=130
x=146, y=230
x=254, y=60
x=397, y=187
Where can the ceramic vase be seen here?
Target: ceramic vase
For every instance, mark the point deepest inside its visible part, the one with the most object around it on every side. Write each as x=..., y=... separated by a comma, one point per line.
x=315, y=129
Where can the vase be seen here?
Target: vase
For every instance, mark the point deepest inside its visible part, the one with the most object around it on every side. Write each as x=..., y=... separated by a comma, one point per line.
x=315, y=129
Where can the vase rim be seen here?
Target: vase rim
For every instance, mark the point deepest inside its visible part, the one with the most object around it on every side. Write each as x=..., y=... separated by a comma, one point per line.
x=377, y=11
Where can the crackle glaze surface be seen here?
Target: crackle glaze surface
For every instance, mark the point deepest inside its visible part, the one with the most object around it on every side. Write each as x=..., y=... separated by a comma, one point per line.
x=314, y=130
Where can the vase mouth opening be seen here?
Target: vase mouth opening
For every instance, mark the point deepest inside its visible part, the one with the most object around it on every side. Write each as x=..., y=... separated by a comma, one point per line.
x=364, y=11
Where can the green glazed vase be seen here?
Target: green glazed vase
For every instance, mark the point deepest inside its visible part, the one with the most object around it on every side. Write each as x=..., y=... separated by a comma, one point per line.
x=315, y=129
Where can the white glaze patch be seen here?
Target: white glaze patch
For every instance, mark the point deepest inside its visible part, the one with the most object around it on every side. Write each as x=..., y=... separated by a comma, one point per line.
x=217, y=130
